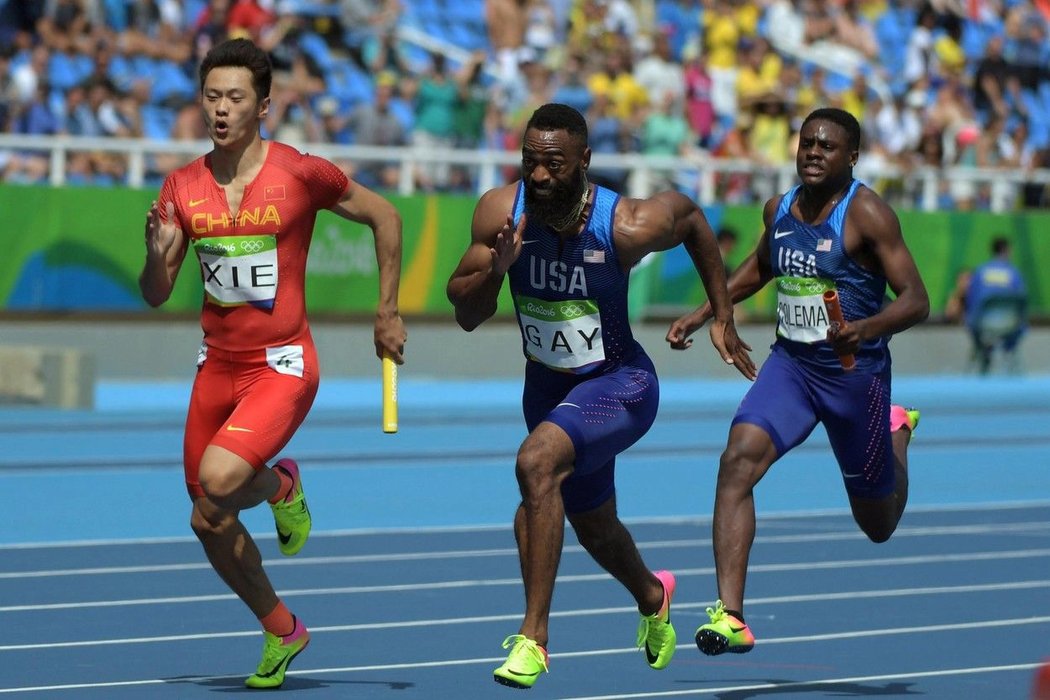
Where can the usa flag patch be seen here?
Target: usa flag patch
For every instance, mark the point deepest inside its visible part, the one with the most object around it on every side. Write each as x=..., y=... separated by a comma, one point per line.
x=593, y=256
x=824, y=245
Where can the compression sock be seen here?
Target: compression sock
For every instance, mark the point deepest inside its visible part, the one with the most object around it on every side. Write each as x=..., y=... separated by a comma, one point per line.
x=287, y=484
x=280, y=621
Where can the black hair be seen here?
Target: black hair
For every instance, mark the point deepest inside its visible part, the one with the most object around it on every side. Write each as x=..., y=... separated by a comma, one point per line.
x=240, y=53
x=558, y=117
x=1000, y=245
x=841, y=117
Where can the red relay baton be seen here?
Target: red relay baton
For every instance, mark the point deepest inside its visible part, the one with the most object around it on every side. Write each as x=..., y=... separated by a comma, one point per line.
x=831, y=303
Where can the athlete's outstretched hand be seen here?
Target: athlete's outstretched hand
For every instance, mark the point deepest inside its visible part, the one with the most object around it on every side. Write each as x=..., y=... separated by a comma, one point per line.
x=733, y=350
x=684, y=326
x=161, y=234
x=508, y=245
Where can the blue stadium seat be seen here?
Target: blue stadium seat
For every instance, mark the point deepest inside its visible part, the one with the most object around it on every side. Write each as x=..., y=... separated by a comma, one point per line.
x=348, y=83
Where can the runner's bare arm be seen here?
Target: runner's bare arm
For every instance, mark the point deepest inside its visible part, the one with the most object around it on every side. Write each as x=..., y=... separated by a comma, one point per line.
x=166, y=247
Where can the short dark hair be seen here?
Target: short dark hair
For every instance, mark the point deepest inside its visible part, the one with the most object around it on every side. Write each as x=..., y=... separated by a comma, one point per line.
x=841, y=117
x=557, y=117
x=240, y=53
x=1000, y=245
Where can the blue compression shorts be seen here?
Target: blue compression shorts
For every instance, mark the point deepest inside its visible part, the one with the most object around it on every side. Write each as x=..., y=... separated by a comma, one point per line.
x=603, y=415
x=789, y=398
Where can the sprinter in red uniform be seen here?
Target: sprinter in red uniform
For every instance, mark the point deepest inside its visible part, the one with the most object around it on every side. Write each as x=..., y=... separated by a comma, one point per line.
x=247, y=209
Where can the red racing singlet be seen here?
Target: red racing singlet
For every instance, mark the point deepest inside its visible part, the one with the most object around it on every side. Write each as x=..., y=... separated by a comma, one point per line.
x=253, y=261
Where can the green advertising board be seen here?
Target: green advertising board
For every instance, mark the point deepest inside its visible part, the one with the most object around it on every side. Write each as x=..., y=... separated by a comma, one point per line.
x=81, y=249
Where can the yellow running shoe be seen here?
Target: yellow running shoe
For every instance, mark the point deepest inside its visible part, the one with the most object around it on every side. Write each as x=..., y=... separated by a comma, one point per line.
x=655, y=632
x=291, y=515
x=526, y=661
x=278, y=652
x=724, y=633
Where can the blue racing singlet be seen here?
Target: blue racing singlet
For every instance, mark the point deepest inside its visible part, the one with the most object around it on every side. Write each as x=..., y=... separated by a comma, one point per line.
x=807, y=260
x=570, y=295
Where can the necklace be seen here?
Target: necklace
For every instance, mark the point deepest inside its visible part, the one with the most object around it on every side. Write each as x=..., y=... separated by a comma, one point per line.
x=573, y=216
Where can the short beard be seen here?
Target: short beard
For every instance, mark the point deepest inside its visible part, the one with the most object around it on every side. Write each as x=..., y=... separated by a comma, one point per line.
x=556, y=210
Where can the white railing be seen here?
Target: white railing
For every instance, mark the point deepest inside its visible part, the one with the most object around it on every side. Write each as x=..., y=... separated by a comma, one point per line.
x=644, y=172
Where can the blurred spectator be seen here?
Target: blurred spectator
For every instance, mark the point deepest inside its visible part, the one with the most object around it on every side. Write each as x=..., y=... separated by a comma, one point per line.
x=758, y=75
x=700, y=110
x=768, y=140
x=71, y=25
x=36, y=117
x=505, y=20
x=895, y=130
x=856, y=98
x=9, y=98
x=1026, y=45
x=919, y=58
x=27, y=75
x=210, y=27
x=470, y=110
x=383, y=52
x=989, y=81
x=292, y=118
x=374, y=123
x=435, y=113
x=614, y=80
x=666, y=133
x=542, y=29
x=659, y=74
x=249, y=19
x=996, y=292
x=155, y=28
x=947, y=47
x=723, y=28
x=727, y=242
x=607, y=134
x=572, y=87
x=363, y=21
x=854, y=30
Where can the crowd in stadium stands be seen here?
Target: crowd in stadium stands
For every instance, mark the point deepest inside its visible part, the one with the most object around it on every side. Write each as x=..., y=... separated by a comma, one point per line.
x=940, y=83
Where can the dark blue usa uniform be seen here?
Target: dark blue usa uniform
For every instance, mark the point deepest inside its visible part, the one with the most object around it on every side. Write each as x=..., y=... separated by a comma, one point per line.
x=585, y=372
x=802, y=382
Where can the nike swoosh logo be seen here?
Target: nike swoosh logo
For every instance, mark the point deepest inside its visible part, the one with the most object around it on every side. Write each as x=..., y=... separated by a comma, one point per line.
x=734, y=630
x=284, y=538
x=534, y=240
x=781, y=234
x=196, y=202
x=851, y=476
x=235, y=429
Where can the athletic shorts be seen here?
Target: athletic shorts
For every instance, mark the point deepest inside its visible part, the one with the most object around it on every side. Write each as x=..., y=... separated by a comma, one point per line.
x=250, y=403
x=602, y=415
x=789, y=398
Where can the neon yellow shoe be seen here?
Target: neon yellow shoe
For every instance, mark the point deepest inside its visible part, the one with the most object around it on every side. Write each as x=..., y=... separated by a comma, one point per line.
x=278, y=652
x=724, y=633
x=526, y=661
x=655, y=632
x=291, y=515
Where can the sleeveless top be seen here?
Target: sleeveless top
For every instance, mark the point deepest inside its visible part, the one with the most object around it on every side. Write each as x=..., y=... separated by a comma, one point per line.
x=570, y=296
x=806, y=261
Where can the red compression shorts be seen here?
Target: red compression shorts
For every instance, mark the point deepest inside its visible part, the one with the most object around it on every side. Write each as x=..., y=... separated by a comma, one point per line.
x=250, y=403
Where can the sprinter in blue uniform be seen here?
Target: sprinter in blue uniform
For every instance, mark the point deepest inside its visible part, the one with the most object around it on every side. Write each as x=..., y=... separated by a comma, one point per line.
x=590, y=389
x=829, y=232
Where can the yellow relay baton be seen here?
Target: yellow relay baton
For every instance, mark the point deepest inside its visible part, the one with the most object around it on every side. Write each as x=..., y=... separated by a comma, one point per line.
x=389, y=394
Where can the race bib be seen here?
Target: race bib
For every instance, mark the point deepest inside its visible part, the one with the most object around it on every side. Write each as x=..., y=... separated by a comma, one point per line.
x=801, y=315
x=564, y=335
x=286, y=359
x=239, y=270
